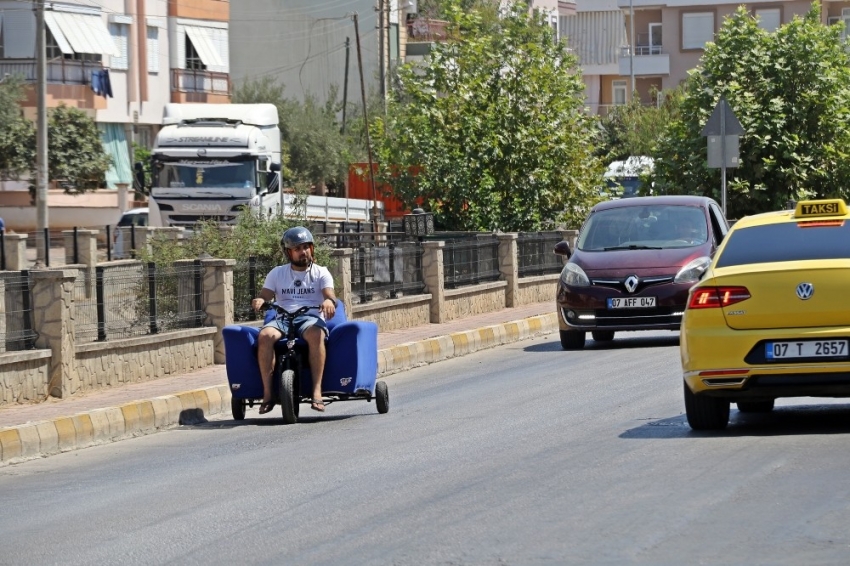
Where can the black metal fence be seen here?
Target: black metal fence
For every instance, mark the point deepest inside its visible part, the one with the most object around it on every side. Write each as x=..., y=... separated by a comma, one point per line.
x=136, y=300
x=16, y=323
x=536, y=255
x=470, y=261
x=387, y=272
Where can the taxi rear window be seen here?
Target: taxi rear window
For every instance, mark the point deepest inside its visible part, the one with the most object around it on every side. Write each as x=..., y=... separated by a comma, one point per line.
x=785, y=242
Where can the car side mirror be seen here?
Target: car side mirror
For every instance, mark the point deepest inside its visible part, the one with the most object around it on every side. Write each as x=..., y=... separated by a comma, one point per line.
x=563, y=248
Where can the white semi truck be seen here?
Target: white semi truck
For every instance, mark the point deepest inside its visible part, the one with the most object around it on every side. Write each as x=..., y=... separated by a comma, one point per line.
x=211, y=161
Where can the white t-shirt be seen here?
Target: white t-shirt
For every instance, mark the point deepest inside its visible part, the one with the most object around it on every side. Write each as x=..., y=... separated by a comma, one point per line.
x=296, y=289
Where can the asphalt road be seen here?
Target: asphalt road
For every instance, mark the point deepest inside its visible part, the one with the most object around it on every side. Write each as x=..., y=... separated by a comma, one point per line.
x=522, y=455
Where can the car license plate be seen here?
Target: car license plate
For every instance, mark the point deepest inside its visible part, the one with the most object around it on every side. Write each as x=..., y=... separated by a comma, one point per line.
x=631, y=303
x=805, y=349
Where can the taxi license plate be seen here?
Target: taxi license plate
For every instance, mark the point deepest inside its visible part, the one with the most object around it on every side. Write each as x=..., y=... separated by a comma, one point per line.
x=805, y=349
x=631, y=303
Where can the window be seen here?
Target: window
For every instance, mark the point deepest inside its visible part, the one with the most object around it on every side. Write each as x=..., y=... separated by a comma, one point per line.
x=193, y=60
x=769, y=19
x=53, y=49
x=787, y=241
x=618, y=94
x=153, y=49
x=654, y=39
x=697, y=29
x=119, y=33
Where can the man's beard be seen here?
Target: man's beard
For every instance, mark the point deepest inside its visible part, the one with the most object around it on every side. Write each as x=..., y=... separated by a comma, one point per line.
x=303, y=262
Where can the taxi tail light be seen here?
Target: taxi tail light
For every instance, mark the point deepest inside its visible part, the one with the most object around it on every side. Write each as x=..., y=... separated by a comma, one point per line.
x=717, y=297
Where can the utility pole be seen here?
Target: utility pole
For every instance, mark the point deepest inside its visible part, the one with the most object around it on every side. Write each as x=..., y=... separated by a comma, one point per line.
x=632, y=46
x=366, y=123
x=381, y=52
x=345, y=83
x=41, y=138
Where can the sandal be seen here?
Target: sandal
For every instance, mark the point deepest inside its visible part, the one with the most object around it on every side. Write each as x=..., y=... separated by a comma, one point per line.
x=266, y=407
x=317, y=405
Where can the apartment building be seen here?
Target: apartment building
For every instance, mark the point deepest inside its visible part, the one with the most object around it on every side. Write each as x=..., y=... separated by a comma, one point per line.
x=635, y=48
x=119, y=61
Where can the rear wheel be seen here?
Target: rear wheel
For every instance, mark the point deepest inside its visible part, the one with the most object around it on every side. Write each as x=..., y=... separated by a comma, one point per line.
x=706, y=413
x=756, y=406
x=602, y=335
x=572, y=339
x=237, y=408
x=288, y=397
x=382, y=396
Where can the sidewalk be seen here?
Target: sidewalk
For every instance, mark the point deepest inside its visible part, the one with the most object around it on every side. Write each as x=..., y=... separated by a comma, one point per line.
x=59, y=425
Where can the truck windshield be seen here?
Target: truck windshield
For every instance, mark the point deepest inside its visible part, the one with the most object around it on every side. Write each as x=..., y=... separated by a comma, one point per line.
x=206, y=174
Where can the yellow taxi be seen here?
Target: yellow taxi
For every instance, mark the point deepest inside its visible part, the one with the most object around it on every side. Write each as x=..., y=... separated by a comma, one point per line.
x=770, y=317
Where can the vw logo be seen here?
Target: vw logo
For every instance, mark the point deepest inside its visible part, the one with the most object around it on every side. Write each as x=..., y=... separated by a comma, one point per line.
x=632, y=283
x=805, y=291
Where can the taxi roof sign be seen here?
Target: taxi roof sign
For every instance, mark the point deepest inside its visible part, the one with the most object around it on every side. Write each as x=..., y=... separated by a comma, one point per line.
x=827, y=207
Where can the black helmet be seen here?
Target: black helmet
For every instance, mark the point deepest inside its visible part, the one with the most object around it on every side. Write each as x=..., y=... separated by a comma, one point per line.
x=296, y=236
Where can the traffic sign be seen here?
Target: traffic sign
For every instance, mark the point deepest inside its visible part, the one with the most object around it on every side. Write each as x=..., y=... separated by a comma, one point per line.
x=723, y=121
x=723, y=154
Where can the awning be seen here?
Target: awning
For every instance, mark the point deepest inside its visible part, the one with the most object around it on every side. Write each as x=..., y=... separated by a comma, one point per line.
x=80, y=33
x=202, y=41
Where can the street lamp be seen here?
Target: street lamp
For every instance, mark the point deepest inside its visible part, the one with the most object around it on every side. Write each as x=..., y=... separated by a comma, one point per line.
x=419, y=224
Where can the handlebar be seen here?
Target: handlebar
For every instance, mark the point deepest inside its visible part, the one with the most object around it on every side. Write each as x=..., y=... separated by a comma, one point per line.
x=282, y=311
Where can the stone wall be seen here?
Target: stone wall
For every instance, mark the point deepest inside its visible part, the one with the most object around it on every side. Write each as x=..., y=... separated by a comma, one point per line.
x=24, y=376
x=537, y=289
x=130, y=360
x=474, y=299
x=395, y=314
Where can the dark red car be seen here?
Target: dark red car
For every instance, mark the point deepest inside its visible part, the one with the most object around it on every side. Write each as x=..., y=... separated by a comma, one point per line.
x=633, y=264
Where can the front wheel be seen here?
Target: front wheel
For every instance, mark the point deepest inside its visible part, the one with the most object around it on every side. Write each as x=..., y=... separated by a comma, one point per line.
x=572, y=339
x=382, y=397
x=237, y=408
x=288, y=397
x=706, y=413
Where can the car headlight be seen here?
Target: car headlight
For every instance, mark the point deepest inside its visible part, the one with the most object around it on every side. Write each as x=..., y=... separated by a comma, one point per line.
x=574, y=276
x=693, y=270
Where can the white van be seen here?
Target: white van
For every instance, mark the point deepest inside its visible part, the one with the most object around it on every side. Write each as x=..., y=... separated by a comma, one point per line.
x=624, y=177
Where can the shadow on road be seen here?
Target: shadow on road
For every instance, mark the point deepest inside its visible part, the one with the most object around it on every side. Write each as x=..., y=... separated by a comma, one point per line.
x=782, y=421
x=627, y=341
x=265, y=421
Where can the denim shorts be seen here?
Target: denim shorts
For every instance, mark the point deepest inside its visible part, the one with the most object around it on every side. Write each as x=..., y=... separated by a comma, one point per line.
x=302, y=323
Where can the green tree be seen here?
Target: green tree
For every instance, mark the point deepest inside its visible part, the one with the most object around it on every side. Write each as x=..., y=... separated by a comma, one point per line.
x=790, y=89
x=490, y=132
x=636, y=128
x=15, y=130
x=76, y=157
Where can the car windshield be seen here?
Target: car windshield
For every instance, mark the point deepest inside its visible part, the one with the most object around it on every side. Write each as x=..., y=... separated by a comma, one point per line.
x=647, y=226
x=210, y=174
x=787, y=241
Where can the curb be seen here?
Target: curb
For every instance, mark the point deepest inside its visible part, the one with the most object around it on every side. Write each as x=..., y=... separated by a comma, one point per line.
x=102, y=426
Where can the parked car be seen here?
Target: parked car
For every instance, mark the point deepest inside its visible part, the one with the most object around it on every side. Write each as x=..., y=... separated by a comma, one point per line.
x=133, y=217
x=633, y=264
x=770, y=317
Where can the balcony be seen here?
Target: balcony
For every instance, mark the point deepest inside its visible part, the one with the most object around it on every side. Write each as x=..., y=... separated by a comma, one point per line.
x=68, y=82
x=422, y=32
x=648, y=61
x=193, y=85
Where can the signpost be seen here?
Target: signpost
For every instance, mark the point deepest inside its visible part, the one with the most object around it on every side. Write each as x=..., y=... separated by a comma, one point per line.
x=722, y=131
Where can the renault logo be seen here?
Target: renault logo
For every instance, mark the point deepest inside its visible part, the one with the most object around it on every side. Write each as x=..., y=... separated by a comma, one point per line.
x=632, y=283
x=805, y=291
